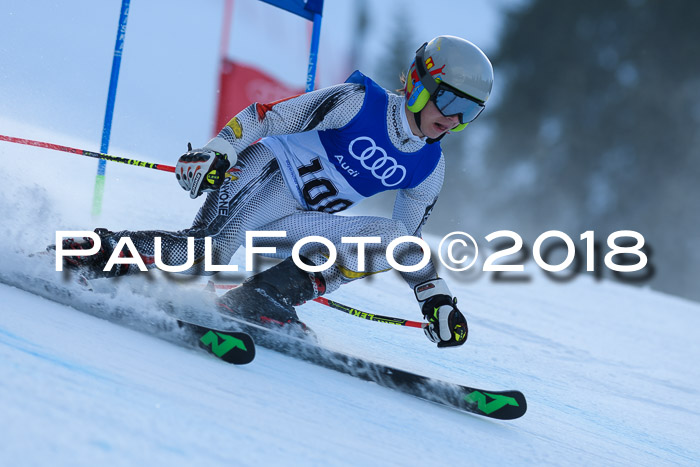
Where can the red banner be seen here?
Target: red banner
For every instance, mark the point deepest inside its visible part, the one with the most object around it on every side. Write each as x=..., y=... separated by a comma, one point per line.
x=241, y=85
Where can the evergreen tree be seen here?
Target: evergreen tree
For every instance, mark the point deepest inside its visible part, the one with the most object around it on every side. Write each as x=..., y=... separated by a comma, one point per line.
x=597, y=124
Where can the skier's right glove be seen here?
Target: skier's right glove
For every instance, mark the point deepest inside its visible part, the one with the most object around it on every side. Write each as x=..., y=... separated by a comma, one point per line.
x=203, y=170
x=447, y=325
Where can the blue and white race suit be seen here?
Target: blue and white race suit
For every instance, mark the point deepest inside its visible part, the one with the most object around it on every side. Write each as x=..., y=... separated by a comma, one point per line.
x=302, y=159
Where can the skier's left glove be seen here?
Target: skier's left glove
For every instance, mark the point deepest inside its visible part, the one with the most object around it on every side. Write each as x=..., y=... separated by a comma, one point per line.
x=203, y=170
x=447, y=325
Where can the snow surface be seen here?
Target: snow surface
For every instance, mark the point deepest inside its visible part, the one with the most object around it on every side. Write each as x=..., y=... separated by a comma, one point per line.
x=610, y=371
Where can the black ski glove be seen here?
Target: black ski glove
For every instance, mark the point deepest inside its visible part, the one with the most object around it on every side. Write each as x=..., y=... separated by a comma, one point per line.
x=448, y=326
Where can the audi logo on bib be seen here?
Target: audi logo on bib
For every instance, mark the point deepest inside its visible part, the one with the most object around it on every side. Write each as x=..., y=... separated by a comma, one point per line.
x=375, y=159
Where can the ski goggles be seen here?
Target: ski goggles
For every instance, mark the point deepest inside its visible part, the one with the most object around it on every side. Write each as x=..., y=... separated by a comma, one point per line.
x=447, y=99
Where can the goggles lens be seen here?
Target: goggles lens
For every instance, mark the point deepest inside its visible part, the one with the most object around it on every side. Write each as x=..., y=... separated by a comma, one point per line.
x=449, y=103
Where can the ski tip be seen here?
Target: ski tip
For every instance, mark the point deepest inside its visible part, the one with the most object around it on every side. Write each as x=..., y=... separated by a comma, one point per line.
x=237, y=348
x=501, y=405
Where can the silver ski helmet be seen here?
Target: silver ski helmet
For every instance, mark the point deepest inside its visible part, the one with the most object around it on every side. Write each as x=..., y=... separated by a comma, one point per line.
x=455, y=74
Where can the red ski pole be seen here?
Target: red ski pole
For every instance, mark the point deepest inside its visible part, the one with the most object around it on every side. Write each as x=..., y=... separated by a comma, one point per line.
x=83, y=152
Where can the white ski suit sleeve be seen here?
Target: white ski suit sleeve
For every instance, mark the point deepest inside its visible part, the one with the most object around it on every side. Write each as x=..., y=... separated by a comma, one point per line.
x=324, y=109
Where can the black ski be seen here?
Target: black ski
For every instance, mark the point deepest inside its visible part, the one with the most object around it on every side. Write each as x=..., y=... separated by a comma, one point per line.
x=503, y=405
x=206, y=327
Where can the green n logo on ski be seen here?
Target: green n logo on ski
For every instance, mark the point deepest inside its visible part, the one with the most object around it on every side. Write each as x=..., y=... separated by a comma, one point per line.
x=221, y=348
x=498, y=401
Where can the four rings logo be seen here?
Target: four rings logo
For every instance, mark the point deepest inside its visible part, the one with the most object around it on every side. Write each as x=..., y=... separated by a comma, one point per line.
x=383, y=167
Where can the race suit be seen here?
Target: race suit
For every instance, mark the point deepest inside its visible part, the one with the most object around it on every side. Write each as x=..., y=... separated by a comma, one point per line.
x=302, y=159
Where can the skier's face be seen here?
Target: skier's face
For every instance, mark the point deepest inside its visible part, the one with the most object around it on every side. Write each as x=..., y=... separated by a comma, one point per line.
x=433, y=123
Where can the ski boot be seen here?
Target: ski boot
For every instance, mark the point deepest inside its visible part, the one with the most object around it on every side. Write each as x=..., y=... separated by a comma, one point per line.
x=268, y=298
x=91, y=267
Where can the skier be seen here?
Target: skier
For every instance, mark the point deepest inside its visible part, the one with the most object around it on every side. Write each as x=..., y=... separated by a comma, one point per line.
x=318, y=154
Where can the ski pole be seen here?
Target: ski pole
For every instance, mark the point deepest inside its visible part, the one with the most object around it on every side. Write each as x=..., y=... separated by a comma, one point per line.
x=369, y=316
x=352, y=311
x=83, y=152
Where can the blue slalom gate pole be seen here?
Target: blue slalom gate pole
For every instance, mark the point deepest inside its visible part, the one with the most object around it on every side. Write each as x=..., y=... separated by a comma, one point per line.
x=313, y=54
x=311, y=10
x=111, y=97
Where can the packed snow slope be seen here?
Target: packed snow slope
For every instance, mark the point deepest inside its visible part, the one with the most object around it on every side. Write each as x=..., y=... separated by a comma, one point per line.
x=610, y=371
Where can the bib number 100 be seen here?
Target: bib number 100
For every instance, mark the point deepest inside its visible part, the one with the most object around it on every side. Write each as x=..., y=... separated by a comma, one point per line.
x=320, y=193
